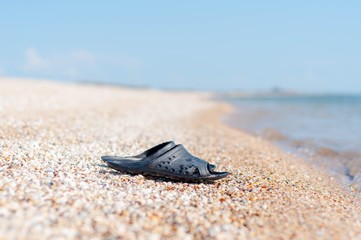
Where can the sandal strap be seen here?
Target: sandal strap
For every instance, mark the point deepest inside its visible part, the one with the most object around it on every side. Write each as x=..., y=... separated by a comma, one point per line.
x=156, y=151
x=179, y=161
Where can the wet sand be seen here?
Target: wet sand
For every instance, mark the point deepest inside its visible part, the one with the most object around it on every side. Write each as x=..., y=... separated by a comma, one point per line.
x=53, y=184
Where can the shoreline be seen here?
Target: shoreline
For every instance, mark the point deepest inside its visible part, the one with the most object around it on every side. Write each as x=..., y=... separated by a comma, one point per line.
x=338, y=160
x=53, y=183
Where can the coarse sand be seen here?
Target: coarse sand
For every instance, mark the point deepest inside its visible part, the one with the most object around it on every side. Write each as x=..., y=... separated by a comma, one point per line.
x=53, y=184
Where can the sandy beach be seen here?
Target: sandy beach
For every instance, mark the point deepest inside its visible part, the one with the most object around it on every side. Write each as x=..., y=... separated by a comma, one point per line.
x=53, y=184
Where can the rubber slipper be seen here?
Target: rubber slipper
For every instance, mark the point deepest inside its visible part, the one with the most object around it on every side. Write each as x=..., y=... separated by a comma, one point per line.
x=154, y=151
x=166, y=160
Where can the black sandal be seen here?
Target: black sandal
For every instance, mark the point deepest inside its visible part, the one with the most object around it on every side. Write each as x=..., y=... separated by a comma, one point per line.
x=166, y=160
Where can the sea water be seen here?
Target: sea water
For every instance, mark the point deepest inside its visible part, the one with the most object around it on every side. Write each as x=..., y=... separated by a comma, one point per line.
x=323, y=129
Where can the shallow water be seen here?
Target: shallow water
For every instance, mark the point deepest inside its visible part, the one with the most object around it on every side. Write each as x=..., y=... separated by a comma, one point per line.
x=326, y=130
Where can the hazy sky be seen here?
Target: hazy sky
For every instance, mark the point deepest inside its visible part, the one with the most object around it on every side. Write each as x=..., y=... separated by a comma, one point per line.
x=301, y=45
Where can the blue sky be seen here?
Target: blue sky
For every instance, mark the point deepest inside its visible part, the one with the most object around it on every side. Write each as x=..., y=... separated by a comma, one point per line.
x=216, y=45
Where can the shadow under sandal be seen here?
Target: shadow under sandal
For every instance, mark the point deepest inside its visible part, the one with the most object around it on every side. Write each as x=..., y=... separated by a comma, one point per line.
x=169, y=161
